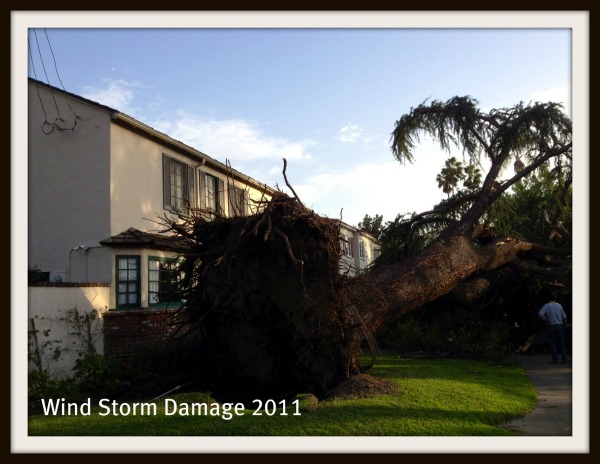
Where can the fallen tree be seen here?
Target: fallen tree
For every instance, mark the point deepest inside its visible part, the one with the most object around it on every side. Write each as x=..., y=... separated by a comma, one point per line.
x=273, y=315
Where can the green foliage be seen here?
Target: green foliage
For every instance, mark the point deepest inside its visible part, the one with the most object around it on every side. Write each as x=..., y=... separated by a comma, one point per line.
x=455, y=171
x=43, y=384
x=93, y=373
x=451, y=331
x=472, y=177
x=403, y=237
x=450, y=122
x=44, y=381
x=523, y=211
x=84, y=329
x=524, y=131
x=534, y=137
x=451, y=174
x=372, y=225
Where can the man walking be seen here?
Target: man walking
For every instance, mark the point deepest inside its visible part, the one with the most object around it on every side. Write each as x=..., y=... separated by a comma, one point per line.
x=555, y=316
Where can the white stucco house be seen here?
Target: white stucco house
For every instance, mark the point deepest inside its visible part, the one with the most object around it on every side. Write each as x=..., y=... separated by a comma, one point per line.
x=98, y=179
x=359, y=249
x=95, y=173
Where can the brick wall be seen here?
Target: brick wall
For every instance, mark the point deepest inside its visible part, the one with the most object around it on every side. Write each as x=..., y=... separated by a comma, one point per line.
x=127, y=333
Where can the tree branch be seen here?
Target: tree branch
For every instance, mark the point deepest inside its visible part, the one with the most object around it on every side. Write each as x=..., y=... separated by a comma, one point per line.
x=287, y=183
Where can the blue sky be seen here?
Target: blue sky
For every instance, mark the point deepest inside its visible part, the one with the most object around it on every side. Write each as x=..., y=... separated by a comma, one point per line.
x=326, y=99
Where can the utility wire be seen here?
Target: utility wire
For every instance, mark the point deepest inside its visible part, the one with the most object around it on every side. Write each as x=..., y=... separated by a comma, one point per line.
x=47, y=79
x=58, y=75
x=47, y=124
x=37, y=87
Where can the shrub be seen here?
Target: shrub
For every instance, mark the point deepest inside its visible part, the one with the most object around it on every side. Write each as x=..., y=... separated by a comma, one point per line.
x=452, y=331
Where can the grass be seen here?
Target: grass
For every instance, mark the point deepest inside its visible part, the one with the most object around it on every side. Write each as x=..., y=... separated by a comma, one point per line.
x=435, y=397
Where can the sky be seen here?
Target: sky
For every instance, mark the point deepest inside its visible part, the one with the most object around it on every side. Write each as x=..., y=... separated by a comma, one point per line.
x=324, y=98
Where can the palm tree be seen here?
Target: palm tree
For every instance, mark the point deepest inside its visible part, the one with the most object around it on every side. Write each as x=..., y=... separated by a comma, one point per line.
x=450, y=176
x=472, y=177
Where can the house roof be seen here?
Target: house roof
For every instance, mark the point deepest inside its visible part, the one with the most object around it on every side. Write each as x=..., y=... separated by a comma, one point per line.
x=137, y=239
x=138, y=126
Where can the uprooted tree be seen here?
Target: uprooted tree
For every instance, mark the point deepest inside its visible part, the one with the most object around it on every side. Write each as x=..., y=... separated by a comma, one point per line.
x=270, y=311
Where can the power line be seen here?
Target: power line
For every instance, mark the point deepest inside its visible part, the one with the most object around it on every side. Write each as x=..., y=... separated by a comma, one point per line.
x=57, y=73
x=47, y=126
x=46, y=74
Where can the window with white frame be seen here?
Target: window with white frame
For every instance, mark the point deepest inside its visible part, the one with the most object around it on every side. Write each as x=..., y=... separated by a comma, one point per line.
x=362, y=251
x=128, y=281
x=163, y=281
x=179, y=186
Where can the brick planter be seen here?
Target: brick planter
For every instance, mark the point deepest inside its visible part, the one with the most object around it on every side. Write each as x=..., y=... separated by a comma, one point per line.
x=127, y=333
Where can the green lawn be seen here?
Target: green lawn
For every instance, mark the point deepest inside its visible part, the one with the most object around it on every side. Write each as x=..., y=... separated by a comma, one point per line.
x=435, y=397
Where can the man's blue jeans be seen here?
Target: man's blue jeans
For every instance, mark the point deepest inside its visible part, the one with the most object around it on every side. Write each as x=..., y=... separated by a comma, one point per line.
x=557, y=342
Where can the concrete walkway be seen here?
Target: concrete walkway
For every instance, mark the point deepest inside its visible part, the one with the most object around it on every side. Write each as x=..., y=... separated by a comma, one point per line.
x=553, y=415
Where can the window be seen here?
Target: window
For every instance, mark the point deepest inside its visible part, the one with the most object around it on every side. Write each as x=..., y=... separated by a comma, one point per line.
x=179, y=189
x=212, y=189
x=237, y=201
x=347, y=246
x=128, y=281
x=163, y=281
x=362, y=252
x=212, y=193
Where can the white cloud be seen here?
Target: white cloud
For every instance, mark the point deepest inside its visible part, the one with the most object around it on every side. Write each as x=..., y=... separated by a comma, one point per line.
x=247, y=147
x=350, y=133
x=387, y=188
x=234, y=139
x=117, y=94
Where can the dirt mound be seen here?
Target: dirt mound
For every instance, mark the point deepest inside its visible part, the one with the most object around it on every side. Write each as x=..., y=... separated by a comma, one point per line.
x=362, y=386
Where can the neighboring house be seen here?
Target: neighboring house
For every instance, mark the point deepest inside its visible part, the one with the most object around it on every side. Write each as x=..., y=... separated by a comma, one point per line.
x=98, y=181
x=359, y=249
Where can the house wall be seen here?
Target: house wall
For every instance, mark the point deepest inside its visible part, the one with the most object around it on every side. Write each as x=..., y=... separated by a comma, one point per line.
x=371, y=249
x=47, y=303
x=68, y=176
x=89, y=265
x=137, y=180
x=350, y=265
